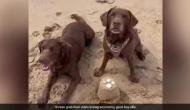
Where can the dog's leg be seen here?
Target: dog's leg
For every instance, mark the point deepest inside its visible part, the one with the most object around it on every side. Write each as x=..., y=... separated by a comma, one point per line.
x=99, y=72
x=45, y=95
x=133, y=76
x=139, y=51
x=75, y=80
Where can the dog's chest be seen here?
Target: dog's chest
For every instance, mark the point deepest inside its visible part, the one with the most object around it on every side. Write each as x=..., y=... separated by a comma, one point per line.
x=117, y=48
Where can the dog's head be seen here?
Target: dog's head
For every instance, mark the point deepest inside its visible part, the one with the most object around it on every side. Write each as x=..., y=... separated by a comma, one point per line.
x=52, y=51
x=118, y=20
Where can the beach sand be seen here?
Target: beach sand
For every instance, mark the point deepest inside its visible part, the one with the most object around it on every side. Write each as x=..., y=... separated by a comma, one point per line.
x=149, y=13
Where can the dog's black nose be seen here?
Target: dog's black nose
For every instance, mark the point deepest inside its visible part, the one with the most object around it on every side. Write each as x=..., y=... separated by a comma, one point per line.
x=42, y=60
x=115, y=23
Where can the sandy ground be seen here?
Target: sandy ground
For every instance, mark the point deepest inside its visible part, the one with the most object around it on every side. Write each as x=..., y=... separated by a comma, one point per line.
x=149, y=13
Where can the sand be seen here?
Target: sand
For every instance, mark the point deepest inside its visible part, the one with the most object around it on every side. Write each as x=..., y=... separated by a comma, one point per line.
x=149, y=13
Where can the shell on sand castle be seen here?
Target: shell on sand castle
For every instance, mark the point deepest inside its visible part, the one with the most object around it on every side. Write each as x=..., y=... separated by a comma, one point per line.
x=108, y=89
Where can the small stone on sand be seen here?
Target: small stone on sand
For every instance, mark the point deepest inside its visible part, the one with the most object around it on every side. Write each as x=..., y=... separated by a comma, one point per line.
x=58, y=13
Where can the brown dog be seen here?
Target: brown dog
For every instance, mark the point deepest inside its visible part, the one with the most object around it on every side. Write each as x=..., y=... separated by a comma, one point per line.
x=121, y=39
x=61, y=55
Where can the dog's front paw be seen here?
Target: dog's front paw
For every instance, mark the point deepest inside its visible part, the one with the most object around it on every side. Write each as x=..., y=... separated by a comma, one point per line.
x=141, y=56
x=133, y=79
x=98, y=72
x=42, y=100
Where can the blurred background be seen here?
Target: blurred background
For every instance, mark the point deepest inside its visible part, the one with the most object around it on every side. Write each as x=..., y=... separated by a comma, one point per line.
x=176, y=51
x=14, y=51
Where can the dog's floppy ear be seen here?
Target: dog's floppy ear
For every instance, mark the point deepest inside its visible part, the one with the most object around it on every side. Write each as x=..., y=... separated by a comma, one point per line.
x=133, y=19
x=103, y=18
x=65, y=50
x=40, y=45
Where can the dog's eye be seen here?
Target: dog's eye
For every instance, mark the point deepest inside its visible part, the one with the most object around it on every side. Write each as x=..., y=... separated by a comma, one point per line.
x=42, y=47
x=124, y=16
x=113, y=14
x=51, y=48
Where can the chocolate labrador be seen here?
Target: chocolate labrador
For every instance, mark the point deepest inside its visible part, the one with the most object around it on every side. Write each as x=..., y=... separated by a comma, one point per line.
x=120, y=40
x=61, y=55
